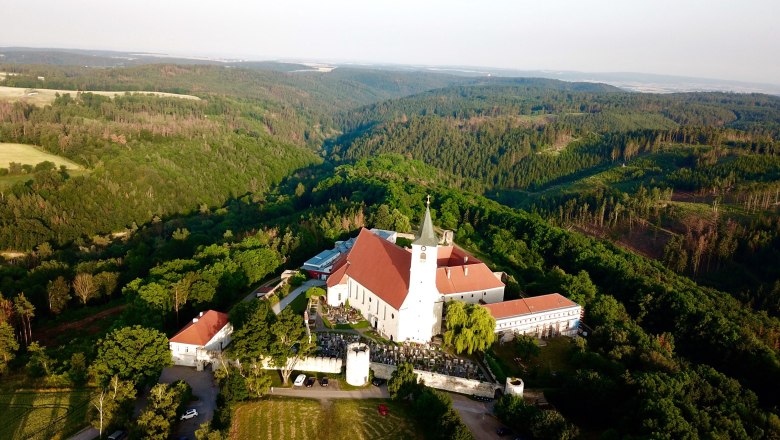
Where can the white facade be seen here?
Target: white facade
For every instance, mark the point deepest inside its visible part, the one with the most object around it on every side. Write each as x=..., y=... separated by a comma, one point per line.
x=357, y=364
x=487, y=296
x=563, y=321
x=380, y=315
x=191, y=355
x=419, y=318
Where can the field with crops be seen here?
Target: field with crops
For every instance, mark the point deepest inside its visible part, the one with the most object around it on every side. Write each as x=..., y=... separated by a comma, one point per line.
x=43, y=415
x=328, y=420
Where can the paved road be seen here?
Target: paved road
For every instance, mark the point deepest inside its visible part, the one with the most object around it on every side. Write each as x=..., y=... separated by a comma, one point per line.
x=88, y=433
x=478, y=416
x=203, y=387
x=278, y=307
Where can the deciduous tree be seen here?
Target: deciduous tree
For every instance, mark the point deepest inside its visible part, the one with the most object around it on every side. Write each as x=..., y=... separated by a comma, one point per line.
x=136, y=354
x=59, y=294
x=470, y=327
x=84, y=287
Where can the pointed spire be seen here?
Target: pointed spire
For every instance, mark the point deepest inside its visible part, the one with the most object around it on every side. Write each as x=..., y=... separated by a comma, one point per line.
x=426, y=236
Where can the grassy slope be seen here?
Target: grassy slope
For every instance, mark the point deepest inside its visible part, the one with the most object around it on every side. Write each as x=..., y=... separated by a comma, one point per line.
x=30, y=154
x=42, y=415
x=293, y=419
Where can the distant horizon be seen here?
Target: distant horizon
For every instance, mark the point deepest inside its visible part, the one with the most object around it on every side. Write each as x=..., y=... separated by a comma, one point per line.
x=696, y=38
x=646, y=82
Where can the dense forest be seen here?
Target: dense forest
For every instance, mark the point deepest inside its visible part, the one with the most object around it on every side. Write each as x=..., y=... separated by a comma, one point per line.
x=658, y=213
x=690, y=179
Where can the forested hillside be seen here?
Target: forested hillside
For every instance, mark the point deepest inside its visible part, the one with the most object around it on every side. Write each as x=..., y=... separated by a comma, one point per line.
x=658, y=213
x=689, y=179
x=149, y=157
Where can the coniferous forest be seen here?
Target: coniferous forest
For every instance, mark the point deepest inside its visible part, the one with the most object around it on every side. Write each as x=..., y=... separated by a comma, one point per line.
x=658, y=213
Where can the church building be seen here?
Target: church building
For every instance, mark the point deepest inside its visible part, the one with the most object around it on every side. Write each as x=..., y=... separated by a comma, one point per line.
x=401, y=292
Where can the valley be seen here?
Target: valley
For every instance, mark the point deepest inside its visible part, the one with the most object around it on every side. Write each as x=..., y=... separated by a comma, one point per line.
x=657, y=213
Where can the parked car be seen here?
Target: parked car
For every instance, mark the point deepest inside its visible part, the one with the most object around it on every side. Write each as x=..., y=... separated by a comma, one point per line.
x=117, y=435
x=377, y=382
x=310, y=382
x=324, y=381
x=190, y=413
x=503, y=430
x=299, y=380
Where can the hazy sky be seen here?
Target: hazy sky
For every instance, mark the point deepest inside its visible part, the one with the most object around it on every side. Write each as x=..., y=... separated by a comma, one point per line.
x=735, y=39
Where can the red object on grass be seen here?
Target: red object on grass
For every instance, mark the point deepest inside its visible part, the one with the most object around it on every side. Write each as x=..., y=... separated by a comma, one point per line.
x=383, y=410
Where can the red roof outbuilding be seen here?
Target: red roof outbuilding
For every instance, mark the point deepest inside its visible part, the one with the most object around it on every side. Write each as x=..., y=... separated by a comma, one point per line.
x=525, y=306
x=201, y=331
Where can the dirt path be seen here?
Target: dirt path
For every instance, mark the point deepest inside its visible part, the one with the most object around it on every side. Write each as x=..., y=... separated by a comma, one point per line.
x=48, y=335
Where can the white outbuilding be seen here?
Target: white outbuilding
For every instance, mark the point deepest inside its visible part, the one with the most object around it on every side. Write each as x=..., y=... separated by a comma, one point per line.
x=201, y=340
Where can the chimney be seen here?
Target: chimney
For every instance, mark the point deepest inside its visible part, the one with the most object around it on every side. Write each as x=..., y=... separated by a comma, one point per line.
x=466, y=259
x=465, y=271
x=200, y=315
x=448, y=272
x=194, y=320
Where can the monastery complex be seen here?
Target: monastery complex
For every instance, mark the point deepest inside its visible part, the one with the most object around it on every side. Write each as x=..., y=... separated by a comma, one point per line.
x=401, y=292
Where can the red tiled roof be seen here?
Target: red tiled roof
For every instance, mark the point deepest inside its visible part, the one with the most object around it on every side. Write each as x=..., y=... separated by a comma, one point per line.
x=378, y=265
x=453, y=256
x=201, y=332
x=524, y=306
x=479, y=277
x=338, y=277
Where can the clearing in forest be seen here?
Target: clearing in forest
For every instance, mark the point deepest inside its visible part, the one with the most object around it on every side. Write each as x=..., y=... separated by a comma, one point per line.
x=43, y=97
x=337, y=419
x=30, y=155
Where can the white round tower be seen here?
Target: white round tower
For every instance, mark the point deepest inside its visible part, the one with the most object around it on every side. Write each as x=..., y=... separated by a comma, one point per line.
x=514, y=386
x=357, y=364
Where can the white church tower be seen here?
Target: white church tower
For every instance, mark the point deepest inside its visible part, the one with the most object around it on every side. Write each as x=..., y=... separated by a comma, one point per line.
x=421, y=311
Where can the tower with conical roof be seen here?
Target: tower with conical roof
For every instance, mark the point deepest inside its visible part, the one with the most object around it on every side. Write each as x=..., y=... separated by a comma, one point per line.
x=420, y=304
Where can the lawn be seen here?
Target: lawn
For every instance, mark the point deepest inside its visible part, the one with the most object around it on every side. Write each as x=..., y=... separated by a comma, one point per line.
x=338, y=419
x=41, y=97
x=30, y=155
x=535, y=371
x=43, y=415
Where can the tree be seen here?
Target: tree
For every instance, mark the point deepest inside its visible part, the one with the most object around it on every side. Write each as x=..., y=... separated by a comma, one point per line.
x=470, y=327
x=158, y=419
x=258, y=381
x=84, y=287
x=8, y=345
x=180, y=291
x=78, y=368
x=290, y=343
x=403, y=382
x=59, y=294
x=252, y=334
x=40, y=363
x=315, y=292
x=106, y=282
x=136, y=354
x=24, y=311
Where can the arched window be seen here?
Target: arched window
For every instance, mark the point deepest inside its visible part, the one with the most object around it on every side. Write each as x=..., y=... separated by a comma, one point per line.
x=422, y=256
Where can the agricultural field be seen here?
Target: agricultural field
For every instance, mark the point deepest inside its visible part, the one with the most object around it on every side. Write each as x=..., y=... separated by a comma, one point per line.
x=30, y=155
x=330, y=420
x=43, y=415
x=41, y=97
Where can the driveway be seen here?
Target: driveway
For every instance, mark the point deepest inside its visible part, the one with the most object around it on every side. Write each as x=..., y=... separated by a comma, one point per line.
x=330, y=392
x=478, y=416
x=278, y=307
x=203, y=388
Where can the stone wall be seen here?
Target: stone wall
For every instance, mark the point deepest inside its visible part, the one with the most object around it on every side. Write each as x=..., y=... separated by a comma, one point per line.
x=311, y=363
x=443, y=382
